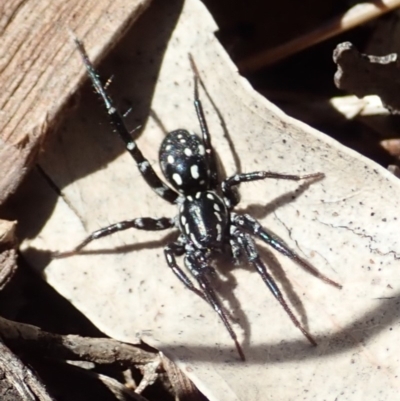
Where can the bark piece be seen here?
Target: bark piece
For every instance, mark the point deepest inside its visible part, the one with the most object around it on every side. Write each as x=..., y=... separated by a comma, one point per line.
x=38, y=70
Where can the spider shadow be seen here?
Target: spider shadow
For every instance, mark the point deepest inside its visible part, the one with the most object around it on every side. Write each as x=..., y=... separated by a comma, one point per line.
x=353, y=336
x=225, y=282
x=226, y=134
x=261, y=211
x=271, y=262
x=277, y=271
x=43, y=257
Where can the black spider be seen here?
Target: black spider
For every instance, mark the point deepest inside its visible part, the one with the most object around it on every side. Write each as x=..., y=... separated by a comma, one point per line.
x=205, y=219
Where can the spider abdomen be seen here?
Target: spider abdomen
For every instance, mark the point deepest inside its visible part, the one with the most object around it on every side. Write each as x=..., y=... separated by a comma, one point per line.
x=183, y=162
x=203, y=218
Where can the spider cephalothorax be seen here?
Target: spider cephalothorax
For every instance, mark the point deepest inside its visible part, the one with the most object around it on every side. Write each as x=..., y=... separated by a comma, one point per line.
x=206, y=221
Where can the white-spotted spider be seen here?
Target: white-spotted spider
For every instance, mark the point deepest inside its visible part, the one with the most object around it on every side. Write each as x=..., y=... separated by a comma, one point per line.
x=205, y=221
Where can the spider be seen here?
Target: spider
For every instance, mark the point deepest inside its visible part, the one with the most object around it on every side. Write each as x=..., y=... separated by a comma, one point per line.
x=206, y=221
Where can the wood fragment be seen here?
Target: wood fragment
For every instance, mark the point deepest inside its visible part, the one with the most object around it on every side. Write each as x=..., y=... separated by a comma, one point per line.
x=34, y=52
x=18, y=382
x=28, y=338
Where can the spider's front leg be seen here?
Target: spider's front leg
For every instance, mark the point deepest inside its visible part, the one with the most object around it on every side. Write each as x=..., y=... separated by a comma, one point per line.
x=209, y=151
x=141, y=223
x=117, y=121
x=227, y=185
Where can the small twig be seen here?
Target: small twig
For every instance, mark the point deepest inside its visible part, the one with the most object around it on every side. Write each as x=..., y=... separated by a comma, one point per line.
x=120, y=391
x=72, y=347
x=150, y=375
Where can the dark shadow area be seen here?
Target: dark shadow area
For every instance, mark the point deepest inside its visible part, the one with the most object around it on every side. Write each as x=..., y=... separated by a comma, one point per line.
x=280, y=276
x=259, y=211
x=224, y=283
x=68, y=382
x=29, y=299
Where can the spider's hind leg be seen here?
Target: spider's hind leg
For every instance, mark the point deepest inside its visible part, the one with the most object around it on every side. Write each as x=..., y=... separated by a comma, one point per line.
x=251, y=253
x=251, y=225
x=196, y=264
x=178, y=249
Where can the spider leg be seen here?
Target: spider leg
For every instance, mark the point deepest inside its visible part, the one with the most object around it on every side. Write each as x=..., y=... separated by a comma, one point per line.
x=177, y=249
x=235, y=248
x=117, y=121
x=141, y=223
x=251, y=225
x=198, y=269
x=204, y=127
x=227, y=184
x=253, y=257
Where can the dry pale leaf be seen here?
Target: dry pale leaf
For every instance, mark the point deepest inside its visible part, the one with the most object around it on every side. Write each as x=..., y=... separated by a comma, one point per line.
x=346, y=225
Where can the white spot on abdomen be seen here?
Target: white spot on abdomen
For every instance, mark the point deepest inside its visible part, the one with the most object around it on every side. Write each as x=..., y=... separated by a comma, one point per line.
x=177, y=178
x=219, y=230
x=194, y=170
x=170, y=159
x=218, y=216
x=187, y=152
